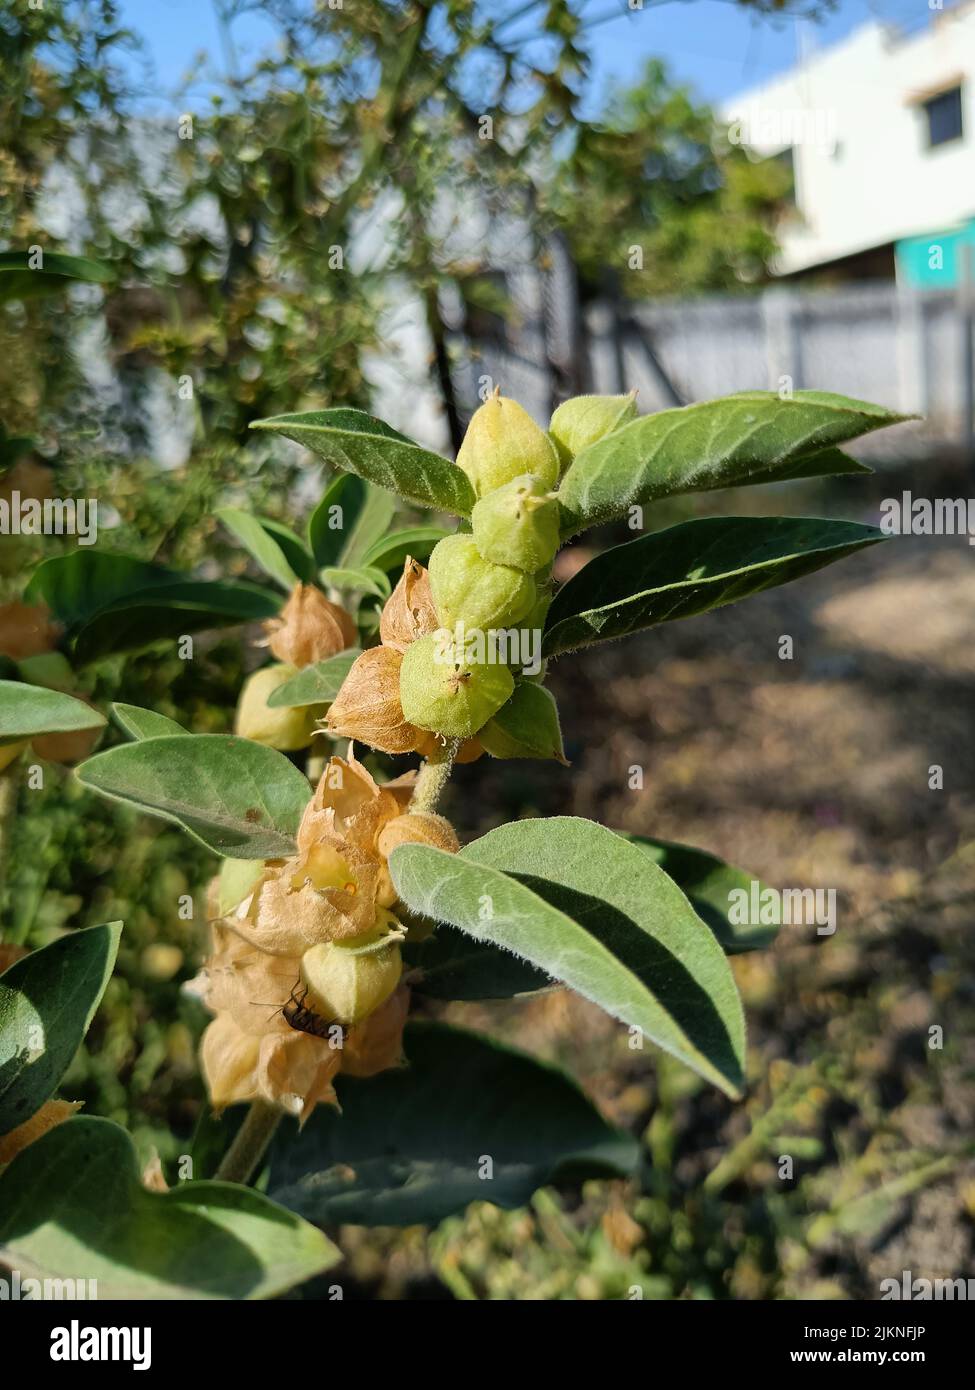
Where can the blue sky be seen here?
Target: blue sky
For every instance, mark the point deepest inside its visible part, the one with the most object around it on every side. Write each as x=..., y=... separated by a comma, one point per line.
x=716, y=45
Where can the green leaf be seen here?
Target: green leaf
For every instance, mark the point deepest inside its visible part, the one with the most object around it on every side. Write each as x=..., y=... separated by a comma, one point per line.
x=277, y=550
x=80, y=584
x=358, y=443
x=750, y=437
x=315, y=685
x=389, y=552
x=47, y=1002
x=26, y=710
x=144, y=723
x=709, y=883
x=690, y=569
x=450, y=965
x=56, y=272
x=369, y=581
x=332, y=524
x=372, y=520
x=166, y=613
x=74, y=1208
x=237, y=797
x=596, y=913
x=408, y=1145
x=292, y=547
x=526, y=727
x=115, y=603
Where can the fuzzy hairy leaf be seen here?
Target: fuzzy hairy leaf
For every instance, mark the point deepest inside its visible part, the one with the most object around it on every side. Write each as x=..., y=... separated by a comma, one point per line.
x=358, y=443
x=72, y=1206
x=708, y=883
x=750, y=437
x=315, y=685
x=237, y=797
x=26, y=710
x=451, y=965
x=594, y=912
x=47, y=1002
x=145, y=723
x=690, y=569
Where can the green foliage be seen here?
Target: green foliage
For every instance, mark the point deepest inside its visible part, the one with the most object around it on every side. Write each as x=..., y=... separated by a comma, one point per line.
x=656, y=170
x=73, y=1207
x=575, y=900
x=278, y=551
x=144, y=723
x=360, y=444
x=315, y=685
x=416, y=1139
x=709, y=883
x=47, y=1002
x=116, y=603
x=750, y=437
x=236, y=797
x=20, y=279
x=26, y=710
x=690, y=569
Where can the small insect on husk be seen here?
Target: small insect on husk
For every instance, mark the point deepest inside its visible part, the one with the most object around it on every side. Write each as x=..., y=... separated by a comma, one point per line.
x=304, y=1020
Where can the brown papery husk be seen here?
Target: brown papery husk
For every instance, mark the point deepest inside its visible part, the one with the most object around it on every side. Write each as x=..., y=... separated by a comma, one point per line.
x=309, y=628
x=409, y=612
x=368, y=709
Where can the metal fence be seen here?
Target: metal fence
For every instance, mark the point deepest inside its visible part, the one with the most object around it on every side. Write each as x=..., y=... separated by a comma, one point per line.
x=908, y=350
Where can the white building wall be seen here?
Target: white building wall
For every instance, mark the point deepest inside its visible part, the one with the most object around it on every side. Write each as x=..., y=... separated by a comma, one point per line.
x=864, y=173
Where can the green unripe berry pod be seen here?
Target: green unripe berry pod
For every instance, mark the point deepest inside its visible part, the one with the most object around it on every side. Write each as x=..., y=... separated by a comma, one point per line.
x=518, y=524
x=585, y=420
x=441, y=690
x=526, y=727
x=468, y=589
x=503, y=442
x=283, y=727
x=346, y=981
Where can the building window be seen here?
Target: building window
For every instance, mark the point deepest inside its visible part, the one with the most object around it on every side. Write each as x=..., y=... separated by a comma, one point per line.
x=944, y=117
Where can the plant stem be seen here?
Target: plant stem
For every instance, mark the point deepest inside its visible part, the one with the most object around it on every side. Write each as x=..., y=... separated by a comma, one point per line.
x=433, y=776
x=250, y=1143
x=8, y=806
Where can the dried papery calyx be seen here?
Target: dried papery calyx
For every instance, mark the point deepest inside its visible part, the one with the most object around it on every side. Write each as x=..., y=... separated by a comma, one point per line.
x=418, y=828
x=503, y=442
x=409, y=612
x=284, y=728
x=475, y=592
x=26, y=630
x=584, y=420
x=368, y=706
x=442, y=690
x=518, y=525
x=51, y=1113
x=346, y=981
x=309, y=628
x=270, y=1038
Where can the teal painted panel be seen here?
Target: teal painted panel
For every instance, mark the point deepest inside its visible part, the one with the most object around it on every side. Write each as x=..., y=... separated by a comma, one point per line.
x=934, y=261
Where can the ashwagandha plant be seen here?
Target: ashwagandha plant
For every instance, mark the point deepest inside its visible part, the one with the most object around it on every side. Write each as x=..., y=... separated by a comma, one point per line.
x=337, y=903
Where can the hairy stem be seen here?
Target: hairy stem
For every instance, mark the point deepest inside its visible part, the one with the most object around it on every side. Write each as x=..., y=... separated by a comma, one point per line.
x=433, y=776
x=250, y=1143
